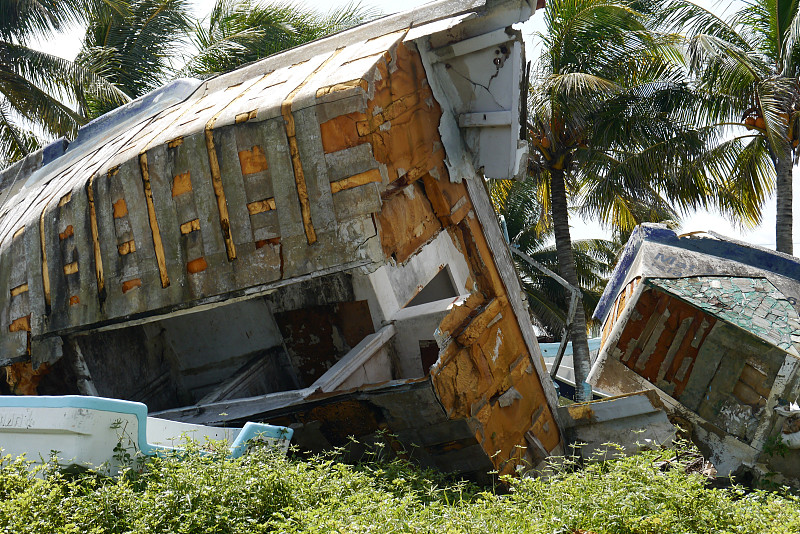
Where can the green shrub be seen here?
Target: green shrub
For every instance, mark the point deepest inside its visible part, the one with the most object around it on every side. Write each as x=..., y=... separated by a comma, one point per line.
x=196, y=492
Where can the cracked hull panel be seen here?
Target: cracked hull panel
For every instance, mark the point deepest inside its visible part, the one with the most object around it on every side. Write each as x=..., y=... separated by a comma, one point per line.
x=302, y=241
x=717, y=339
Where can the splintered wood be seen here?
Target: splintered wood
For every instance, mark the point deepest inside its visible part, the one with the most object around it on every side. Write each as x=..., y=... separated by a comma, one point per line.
x=484, y=370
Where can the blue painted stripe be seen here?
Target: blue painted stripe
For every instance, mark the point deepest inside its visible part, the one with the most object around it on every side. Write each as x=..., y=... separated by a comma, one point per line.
x=139, y=410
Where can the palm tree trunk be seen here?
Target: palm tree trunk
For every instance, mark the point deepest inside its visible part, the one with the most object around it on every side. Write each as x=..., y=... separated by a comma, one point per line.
x=566, y=264
x=783, y=222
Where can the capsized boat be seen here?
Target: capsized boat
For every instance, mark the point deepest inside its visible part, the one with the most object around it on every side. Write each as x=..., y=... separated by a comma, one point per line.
x=306, y=241
x=712, y=324
x=104, y=434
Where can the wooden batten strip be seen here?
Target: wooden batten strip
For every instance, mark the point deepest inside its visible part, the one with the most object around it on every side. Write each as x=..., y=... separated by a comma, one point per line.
x=98, y=258
x=294, y=151
x=219, y=191
x=65, y=200
x=191, y=226
x=363, y=178
x=71, y=268
x=151, y=213
x=18, y=233
x=216, y=175
x=20, y=289
x=45, y=273
x=127, y=247
x=260, y=206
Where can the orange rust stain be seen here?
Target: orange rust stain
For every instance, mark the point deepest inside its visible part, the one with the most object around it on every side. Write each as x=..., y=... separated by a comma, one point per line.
x=120, y=208
x=181, y=183
x=74, y=300
x=633, y=337
x=407, y=222
x=23, y=379
x=260, y=206
x=191, y=226
x=23, y=324
x=68, y=232
x=253, y=160
x=131, y=284
x=197, y=266
x=126, y=248
x=263, y=242
x=619, y=305
x=368, y=177
x=401, y=121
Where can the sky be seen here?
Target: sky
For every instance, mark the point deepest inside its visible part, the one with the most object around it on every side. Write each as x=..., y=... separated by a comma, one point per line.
x=67, y=45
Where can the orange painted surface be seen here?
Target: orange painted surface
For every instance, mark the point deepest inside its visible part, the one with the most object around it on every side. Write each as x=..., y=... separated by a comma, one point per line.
x=197, y=266
x=486, y=356
x=131, y=284
x=120, y=208
x=181, y=184
x=253, y=160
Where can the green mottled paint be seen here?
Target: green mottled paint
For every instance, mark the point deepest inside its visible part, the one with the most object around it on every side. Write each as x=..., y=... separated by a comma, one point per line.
x=753, y=304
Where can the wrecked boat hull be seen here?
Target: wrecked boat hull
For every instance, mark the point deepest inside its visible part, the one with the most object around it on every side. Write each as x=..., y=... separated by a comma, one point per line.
x=311, y=224
x=712, y=325
x=110, y=434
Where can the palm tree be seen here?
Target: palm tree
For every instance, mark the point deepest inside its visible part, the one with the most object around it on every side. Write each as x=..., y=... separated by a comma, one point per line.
x=529, y=229
x=749, y=68
x=34, y=85
x=611, y=126
x=241, y=31
x=131, y=44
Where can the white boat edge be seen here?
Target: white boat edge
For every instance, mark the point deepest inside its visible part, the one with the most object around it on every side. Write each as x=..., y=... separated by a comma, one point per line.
x=97, y=431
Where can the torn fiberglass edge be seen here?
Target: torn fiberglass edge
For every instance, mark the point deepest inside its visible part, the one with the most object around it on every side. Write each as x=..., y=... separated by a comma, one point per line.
x=712, y=325
x=304, y=241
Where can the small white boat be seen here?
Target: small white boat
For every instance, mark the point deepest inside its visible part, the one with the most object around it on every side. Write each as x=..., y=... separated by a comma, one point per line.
x=105, y=434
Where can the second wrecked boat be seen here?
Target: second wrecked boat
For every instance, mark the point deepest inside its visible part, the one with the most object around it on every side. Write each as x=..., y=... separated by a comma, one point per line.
x=712, y=325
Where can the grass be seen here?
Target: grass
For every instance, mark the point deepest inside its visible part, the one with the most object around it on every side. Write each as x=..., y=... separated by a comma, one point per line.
x=263, y=492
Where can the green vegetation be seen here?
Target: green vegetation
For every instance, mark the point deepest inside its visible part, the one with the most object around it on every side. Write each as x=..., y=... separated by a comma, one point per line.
x=649, y=493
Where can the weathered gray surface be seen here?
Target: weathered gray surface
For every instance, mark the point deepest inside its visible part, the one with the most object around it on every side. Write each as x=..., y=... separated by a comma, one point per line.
x=630, y=423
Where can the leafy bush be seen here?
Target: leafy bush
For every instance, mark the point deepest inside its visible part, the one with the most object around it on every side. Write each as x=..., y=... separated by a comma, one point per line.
x=264, y=492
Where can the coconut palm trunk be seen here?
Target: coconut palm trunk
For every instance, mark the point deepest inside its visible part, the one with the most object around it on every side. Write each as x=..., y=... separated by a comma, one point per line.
x=566, y=262
x=783, y=192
